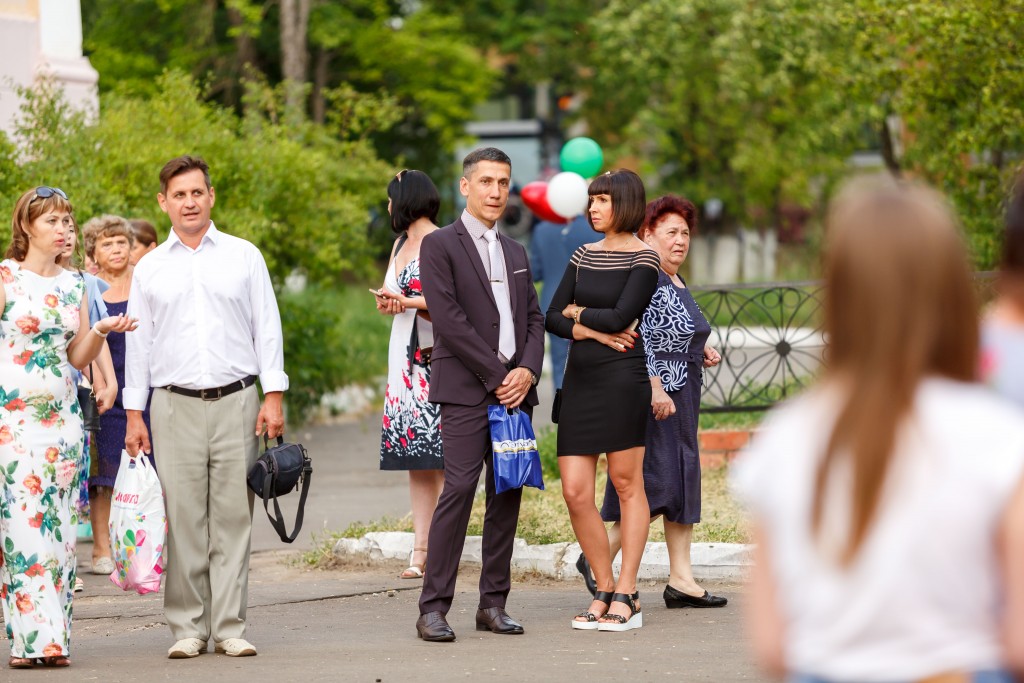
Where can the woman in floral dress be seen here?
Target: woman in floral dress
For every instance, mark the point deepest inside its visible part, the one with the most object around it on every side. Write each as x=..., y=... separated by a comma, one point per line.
x=44, y=326
x=411, y=429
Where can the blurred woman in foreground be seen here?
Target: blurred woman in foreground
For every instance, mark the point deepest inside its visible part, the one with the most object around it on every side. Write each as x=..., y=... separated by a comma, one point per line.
x=888, y=503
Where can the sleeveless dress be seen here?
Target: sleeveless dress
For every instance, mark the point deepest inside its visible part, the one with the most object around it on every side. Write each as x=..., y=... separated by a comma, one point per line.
x=114, y=422
x=674, y=332
x=411, y=427
x=41, y=439
x=606, y=394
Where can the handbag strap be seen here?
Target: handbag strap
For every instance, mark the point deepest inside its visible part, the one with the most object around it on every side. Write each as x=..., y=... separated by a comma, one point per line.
x=279, y=523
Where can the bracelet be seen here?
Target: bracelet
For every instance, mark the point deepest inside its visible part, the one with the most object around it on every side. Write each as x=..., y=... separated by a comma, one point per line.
x=576, y=316
x=101, y=335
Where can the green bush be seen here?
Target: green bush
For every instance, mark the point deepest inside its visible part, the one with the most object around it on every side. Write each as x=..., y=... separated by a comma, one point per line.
x=333, y=337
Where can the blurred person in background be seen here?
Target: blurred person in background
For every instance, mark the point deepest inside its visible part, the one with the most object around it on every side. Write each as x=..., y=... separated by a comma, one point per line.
x=888, y=501
x=1002, y=331
x=411, y=426
x=551, y=247
x=99, y=375
x=109, y=241
x=145, y=239
x=675, y=333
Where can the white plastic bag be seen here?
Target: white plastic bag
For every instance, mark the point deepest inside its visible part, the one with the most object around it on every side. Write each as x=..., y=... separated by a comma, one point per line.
x=138, y=526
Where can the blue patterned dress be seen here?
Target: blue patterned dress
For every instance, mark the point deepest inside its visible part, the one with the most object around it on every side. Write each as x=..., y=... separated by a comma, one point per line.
x=674, y=332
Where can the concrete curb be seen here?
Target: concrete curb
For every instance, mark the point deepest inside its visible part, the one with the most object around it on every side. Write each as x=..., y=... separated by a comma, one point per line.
x=711, y=561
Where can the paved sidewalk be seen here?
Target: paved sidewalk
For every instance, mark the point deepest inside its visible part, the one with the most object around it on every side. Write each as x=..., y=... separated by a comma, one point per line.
x=356, y=623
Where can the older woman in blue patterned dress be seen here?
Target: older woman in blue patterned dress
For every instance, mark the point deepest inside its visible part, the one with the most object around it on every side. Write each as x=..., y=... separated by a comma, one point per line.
x=675, y=334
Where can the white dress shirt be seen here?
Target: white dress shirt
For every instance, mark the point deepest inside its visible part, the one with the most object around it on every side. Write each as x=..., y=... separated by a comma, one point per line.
x=207, y=317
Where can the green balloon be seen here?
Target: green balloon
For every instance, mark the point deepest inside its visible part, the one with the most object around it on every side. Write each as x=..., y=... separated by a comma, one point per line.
x=583, y=156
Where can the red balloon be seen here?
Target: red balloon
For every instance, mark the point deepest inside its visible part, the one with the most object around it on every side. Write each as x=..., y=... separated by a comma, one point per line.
x=535, y=196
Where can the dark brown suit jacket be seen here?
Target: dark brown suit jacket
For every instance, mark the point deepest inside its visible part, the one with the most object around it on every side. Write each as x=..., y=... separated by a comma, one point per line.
x=464, y=366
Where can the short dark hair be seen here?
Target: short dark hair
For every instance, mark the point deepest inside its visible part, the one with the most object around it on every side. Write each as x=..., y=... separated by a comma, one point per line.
x=183, y=164
x=666, y=206
x=1013, y=239
x=483, y=154
x=629, y=200
x=145, y=233
x=413, y=196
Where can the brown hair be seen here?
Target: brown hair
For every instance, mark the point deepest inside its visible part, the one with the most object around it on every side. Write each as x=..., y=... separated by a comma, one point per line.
x=900, y=306
x=145, y=233
x=27, y=209
x=183, y=164
x=102, y=227
x=666, y=206
x=628, y=199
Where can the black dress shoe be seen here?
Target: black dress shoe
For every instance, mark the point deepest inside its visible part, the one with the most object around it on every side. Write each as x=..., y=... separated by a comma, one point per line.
x=675, y=599
x=497, y=620
x=434, y=627
x=583, y=567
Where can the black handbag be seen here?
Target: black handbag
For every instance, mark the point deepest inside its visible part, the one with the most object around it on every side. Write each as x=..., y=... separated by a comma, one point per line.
x=278, y=471
x=87, y=404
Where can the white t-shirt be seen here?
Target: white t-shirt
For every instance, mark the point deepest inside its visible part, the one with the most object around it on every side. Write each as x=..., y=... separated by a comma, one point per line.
x=923, y=594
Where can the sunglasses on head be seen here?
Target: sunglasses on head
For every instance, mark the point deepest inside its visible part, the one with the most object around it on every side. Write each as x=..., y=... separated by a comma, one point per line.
x=45, y=192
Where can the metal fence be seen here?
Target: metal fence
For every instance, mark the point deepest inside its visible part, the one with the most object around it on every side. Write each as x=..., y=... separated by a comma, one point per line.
x=771, y=340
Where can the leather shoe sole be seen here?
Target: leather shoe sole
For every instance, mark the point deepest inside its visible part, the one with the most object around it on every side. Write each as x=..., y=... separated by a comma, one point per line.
x=675, y=599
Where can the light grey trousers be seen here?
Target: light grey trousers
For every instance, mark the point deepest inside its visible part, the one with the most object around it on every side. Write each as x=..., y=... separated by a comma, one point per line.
x=203, y=451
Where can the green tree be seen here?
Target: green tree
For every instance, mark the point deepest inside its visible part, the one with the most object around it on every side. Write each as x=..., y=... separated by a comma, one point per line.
x=301, y=194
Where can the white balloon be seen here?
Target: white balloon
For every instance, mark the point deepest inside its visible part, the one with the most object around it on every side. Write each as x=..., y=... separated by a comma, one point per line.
x=567, y=194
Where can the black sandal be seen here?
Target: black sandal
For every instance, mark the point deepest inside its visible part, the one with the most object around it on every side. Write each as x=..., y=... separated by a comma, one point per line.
x=619, y=622
x=591, y=619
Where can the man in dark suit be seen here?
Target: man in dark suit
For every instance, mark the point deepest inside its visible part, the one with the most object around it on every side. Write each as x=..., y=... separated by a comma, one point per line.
x=488, y=349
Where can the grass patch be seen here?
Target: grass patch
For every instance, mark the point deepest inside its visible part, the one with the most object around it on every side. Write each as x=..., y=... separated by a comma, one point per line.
x=740, y=420
x=321, y=555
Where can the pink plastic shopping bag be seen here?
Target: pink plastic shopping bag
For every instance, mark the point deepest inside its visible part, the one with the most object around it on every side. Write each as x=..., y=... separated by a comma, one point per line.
x=138, y=526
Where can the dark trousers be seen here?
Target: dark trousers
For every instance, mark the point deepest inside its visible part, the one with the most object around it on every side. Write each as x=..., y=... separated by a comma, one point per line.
x=467, y=447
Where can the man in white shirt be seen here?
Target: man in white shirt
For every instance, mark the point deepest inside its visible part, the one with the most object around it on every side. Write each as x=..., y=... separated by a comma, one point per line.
x=209, y=327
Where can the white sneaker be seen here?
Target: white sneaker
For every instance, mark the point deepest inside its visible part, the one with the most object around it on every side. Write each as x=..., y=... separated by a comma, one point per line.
x=103, y=565
x=235, y=647
x=187, y=648
x=79, y=585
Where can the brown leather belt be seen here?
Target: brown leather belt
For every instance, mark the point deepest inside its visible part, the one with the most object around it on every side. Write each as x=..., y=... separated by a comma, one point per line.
x=213, y=394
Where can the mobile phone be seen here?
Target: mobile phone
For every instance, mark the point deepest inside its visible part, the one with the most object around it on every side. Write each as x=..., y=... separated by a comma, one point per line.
x=375, y=292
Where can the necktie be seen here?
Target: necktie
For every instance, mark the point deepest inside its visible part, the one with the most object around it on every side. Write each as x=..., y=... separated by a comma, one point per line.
x=506, y=331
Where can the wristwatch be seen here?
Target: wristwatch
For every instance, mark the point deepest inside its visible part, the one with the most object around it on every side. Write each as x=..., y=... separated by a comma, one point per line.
x=535, y=377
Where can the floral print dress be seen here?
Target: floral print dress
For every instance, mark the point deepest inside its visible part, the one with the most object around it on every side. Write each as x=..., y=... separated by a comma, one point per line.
x=41, y=440
x=411, y=429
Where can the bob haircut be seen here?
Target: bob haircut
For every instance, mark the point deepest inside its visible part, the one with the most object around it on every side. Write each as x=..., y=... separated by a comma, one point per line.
x=629, y=200
x=666, y=206
x=96, y=229
x=413, y=196
x=27, y=209
x=900, y=306
x=183, y=164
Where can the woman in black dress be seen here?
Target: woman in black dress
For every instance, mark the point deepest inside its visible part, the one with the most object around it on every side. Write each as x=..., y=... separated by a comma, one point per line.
x=675, y=333
x=606, y=391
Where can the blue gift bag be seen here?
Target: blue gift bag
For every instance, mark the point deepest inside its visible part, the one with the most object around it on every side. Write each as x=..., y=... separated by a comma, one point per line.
x=516, y=459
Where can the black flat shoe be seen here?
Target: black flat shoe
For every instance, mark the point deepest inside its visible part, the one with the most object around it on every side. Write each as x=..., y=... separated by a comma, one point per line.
x=583, y=567
x=497, y=620
x=433, y=627
x=676, y=599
